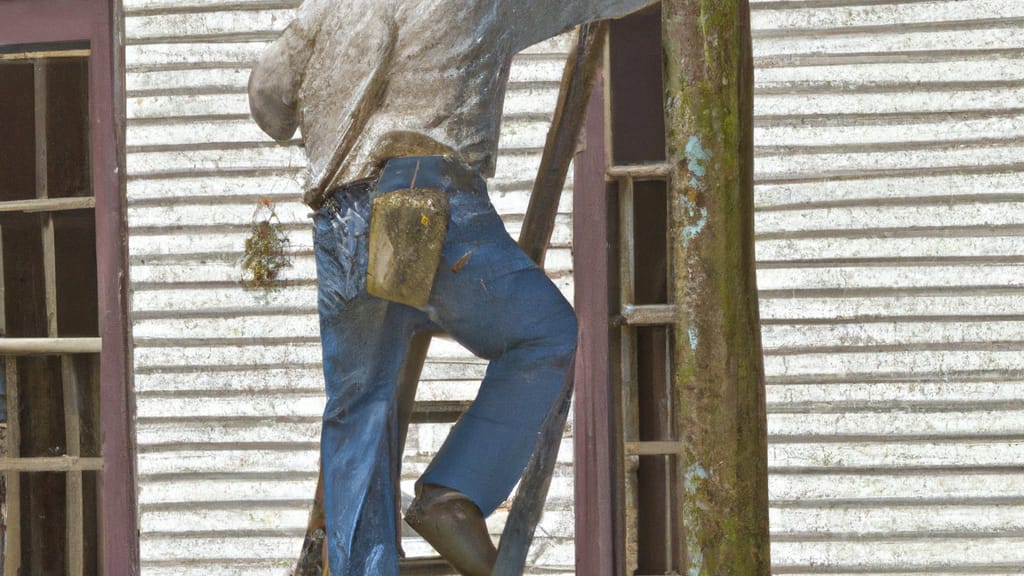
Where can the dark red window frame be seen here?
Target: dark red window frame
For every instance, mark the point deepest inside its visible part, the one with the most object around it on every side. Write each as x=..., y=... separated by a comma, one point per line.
x=45, y=22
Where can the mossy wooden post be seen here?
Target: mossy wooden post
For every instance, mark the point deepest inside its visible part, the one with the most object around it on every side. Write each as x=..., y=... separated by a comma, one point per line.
x=719, y=374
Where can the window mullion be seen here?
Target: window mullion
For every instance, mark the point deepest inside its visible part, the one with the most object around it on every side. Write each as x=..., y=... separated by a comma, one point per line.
x=73, y=478
x=12, y=553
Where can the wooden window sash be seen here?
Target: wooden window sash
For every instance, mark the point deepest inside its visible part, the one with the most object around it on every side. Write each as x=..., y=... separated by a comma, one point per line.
x=72, y=465
x=49, y=346
x=45, y=54
x=48, y=205
x=632, y=316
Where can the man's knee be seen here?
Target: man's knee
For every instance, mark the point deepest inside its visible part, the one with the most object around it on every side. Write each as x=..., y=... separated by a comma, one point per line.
x=562, y=333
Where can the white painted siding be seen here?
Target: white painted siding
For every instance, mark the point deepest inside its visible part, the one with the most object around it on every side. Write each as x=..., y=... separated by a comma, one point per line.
x=890, y=150
x=228, y=381
x=890, y=170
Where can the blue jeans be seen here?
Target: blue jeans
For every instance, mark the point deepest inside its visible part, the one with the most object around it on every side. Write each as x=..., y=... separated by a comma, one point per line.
x=496, y=302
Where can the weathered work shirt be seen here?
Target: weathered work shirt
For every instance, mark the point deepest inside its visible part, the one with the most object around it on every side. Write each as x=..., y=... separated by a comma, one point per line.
x=373, y=79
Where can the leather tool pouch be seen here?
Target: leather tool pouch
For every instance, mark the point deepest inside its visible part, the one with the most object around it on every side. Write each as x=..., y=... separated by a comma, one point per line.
x=407, y=229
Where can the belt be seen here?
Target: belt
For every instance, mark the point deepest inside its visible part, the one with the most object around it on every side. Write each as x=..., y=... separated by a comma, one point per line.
x=410, y=172
x=437, y=172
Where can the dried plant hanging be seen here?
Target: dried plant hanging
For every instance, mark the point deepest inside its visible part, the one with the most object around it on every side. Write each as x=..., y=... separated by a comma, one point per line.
x=265, y=255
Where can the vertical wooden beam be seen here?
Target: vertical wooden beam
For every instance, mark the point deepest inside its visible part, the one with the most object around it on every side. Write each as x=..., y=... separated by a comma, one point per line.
x=75, y=497
x=39, y=101
x=408, y=383
x=42, y=192
x=3, y=297
x=49, y=407
x=12, y=552
x=597, y=476
x=72, y=426
x=629, y=388
x=719, y=375
x=119, y=528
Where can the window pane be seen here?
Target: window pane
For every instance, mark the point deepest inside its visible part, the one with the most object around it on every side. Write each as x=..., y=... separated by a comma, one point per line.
x=24, y=293
x=58, y=396
x=43, y=524
x=67, y=128
x=77, y=298
x=17, y=120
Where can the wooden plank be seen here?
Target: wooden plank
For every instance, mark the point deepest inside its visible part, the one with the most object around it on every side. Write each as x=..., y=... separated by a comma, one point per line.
x=75, y=521
x=629, y=401
x=40, y=93
x=648, y=315
x=51, y=410
x=628, y=377
x=425, y=566
x=48, y=463
x=48, y=205
x=639, y=171
x=12, y=552
x=594, y=421
x=627, y=248
x=3, y=298
x=49, y=346
x=654, y=448
x=44, y=54
x=408, y=382
x=42, y=193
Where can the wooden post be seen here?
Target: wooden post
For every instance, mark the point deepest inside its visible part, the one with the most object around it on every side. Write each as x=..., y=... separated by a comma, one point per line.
x=12, y=546
x=719, y=374
x=75, y=495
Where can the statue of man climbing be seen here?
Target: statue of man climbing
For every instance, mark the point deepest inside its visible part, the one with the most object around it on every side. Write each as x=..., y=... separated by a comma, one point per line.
x=403, y=97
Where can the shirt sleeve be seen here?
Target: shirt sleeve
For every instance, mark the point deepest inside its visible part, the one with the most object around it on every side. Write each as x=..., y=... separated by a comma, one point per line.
x=538, y=20
x=275, y=80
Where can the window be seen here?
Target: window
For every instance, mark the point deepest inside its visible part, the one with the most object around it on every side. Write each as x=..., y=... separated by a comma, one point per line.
x=49, y=319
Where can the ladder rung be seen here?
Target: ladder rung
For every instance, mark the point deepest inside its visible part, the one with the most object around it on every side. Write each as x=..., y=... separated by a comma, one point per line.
x=50, y=464
x=48, y=204
x=654, y=448
x=425, y=566
x=639, y=171
x=439, y=411
x=49, y=346
x=648, y=315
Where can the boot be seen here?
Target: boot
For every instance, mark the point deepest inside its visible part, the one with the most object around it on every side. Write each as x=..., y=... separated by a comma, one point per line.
x=455, y=527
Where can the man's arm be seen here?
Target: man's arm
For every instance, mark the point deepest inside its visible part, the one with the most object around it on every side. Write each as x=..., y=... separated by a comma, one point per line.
x=537, y=20
x=275, y=80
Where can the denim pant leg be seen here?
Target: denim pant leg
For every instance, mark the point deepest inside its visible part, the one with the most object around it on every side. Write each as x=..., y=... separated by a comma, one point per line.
x=494, y=300
x=364, y=343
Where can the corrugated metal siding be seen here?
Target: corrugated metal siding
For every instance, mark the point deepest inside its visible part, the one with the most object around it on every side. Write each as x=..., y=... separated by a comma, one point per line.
x=228, y=380
x=890, y=169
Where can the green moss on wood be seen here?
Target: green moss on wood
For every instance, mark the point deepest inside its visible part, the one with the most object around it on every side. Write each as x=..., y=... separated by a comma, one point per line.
x=719, y=382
